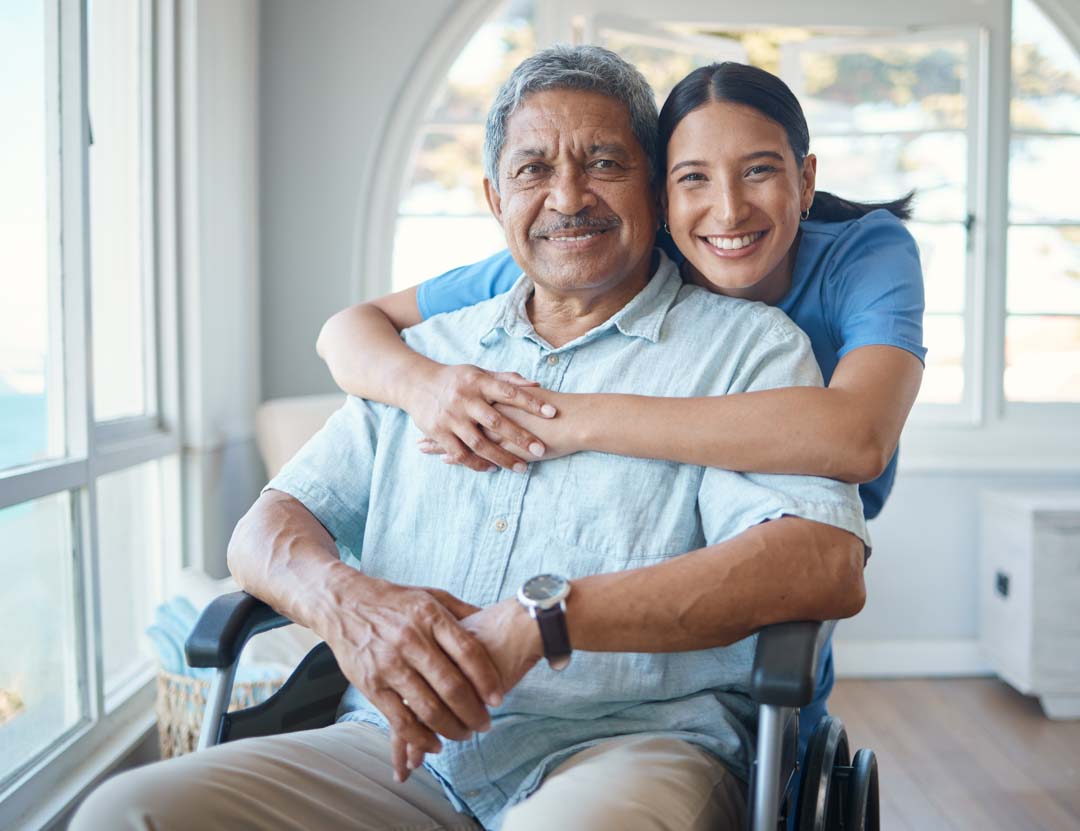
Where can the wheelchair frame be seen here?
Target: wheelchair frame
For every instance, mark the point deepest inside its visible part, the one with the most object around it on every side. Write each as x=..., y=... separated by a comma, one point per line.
x=783, y=679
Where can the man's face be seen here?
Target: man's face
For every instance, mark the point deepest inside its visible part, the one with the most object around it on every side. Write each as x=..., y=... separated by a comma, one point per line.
x=574, y=197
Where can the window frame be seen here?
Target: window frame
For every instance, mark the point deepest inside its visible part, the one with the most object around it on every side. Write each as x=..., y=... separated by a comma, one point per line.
x=110, y=723
x=986, y=433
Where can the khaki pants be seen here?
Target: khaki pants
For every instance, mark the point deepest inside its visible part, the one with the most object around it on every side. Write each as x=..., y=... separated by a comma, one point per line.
x=341, y=777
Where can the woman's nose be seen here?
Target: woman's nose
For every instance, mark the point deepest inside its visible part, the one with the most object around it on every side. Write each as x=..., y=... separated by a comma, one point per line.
x=730, y=206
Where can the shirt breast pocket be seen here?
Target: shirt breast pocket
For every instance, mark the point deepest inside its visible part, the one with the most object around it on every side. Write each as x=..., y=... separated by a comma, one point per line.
x=628, y=512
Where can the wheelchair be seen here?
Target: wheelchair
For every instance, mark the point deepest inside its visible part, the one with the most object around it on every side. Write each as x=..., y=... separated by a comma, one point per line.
x=836, y=791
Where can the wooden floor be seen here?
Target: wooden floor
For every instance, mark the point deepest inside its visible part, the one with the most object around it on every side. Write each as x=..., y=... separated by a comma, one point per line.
x=964, y=754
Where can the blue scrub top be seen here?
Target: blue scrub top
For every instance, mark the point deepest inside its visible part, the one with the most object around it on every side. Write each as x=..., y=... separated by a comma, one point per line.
x=855, y=283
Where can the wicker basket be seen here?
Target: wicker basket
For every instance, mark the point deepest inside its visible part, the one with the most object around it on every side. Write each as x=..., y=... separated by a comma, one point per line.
x=181, y=701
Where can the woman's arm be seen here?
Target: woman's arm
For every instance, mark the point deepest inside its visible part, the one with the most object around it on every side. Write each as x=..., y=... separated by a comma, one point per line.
x=363, y=349
x=847, y=431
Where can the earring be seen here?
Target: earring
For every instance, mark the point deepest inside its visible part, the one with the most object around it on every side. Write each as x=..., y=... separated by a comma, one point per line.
x=805, y=214
x=667, y=230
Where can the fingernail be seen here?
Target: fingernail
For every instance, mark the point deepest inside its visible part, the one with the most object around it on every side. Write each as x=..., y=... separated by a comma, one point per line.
x=492, y=469
x=536, y=449
x=409, y=764
x=495, y=700
x=520, y=467
x=398, y=777
x=547, y=410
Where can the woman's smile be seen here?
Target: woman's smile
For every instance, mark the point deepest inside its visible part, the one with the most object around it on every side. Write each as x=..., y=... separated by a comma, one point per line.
x=733, y=246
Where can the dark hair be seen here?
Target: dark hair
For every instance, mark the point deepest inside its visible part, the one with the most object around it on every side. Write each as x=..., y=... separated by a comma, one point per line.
x=753, y=87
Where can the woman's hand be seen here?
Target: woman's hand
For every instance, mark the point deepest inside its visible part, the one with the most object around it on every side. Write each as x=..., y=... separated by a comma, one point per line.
x=455, y=407
x=559, y=436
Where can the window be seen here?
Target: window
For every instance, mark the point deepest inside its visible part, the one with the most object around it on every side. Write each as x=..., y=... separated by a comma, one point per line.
x=443, y=218
x=89, y=490
x=898, y=99
x=1042, y=324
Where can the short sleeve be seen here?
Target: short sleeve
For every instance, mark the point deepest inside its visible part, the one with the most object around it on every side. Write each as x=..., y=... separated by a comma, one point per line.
x=731, y=502
x=331, y=474
x=468, y=285
x=876, y=287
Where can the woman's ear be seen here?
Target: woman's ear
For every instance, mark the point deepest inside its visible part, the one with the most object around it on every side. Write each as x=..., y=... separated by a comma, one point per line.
x=809, y=177
x=661, y=208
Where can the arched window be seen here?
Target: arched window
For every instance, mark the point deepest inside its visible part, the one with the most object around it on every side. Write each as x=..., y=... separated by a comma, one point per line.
x=443, y=218
x=893, y=104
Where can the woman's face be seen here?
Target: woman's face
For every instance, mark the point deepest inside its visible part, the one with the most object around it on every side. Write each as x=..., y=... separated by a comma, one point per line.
x=733, y=197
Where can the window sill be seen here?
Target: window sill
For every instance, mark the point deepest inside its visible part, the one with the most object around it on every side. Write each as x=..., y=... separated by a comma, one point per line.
x=53, y=787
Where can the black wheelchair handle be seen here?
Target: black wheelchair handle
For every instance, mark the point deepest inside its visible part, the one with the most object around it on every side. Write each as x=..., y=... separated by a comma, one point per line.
x=225, y=625
x=786, y=662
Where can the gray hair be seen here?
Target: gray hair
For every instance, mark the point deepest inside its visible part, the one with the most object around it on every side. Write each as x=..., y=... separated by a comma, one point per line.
x=587, y=68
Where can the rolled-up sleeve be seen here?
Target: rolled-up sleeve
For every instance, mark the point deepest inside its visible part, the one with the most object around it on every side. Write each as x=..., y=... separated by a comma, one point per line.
x=731, y=502
x=331, y=475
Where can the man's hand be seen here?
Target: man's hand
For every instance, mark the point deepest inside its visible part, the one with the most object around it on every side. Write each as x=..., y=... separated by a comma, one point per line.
x=454, y=406
x=399, y=644
x=511, y=637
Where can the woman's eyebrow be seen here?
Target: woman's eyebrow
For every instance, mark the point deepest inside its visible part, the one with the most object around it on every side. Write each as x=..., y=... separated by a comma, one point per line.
x=687, y=163
x=763, y=154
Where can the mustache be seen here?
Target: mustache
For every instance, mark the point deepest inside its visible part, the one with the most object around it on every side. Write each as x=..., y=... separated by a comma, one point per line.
x=594, y=223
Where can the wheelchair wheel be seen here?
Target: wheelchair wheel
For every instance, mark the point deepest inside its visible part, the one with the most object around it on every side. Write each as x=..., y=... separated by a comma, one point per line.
x=862, y=803
x=821, y=805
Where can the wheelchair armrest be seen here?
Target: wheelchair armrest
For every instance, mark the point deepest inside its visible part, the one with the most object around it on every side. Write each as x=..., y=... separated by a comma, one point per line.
x=786, y=662
x=225, y=626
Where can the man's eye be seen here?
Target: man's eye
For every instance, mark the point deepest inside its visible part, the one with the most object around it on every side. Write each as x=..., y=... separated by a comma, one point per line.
x=760, y=170
x=605, y=164
x=530, y=169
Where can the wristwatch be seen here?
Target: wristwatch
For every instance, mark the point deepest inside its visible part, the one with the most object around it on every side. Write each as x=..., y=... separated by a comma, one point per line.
x=545, y=597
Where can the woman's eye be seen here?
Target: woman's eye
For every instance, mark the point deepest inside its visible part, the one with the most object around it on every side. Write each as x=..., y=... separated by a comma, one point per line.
x=692, y=177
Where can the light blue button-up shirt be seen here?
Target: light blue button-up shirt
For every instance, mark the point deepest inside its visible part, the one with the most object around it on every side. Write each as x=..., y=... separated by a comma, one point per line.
x=409, y=518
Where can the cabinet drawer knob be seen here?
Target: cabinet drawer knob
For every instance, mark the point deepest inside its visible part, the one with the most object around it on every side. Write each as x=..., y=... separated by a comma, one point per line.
x=1001, y=583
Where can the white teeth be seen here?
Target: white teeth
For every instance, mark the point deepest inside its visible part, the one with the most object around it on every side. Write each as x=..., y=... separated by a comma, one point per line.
x=734, y=243
x=580, y=238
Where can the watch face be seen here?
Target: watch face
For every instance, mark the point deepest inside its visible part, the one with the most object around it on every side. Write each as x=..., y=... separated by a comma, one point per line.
x=544, y=587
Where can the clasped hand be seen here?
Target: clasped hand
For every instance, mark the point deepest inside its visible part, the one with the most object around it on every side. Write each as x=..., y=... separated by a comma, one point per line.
x=483, y=419
x=431, y=662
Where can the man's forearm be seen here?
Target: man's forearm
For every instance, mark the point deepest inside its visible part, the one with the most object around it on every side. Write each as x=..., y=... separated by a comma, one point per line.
x=281, y=554
x=788, y=569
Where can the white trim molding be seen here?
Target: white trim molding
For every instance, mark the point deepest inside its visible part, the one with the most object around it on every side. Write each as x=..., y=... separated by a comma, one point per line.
x=388, y=164
x=924, y=658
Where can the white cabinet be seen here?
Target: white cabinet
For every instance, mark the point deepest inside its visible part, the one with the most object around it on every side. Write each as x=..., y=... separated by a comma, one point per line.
x=1029, y=594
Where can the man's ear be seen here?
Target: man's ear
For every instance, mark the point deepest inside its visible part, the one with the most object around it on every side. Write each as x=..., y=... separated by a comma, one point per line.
x=809, y=178
x=493, y=199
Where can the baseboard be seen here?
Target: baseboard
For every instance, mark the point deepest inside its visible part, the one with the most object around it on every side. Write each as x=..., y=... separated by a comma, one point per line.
x=909, y=658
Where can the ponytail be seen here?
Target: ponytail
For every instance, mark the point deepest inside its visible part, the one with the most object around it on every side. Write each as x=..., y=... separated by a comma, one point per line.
x=830, y=208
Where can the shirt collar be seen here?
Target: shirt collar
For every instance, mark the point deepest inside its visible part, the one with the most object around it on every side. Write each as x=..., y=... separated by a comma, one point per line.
x=642, y=317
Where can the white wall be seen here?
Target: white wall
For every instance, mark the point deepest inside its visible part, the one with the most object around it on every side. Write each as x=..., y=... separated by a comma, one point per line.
x=330, y=74
x=219, y=267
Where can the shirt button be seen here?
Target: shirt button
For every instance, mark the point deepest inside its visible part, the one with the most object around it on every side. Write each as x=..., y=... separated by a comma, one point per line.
x=552, y=360
x=501, y=525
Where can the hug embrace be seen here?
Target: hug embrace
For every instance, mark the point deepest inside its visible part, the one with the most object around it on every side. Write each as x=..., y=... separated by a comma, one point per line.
x=572, y=481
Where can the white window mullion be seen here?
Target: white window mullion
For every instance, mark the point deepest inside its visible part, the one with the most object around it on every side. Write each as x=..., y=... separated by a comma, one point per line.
x=78, y=331
x=995, y=126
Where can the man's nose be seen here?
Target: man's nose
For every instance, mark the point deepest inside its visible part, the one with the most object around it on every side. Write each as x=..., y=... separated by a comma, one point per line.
x=571, y=193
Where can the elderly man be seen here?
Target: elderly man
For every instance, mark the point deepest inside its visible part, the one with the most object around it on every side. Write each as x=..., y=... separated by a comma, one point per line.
x=583, y=647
